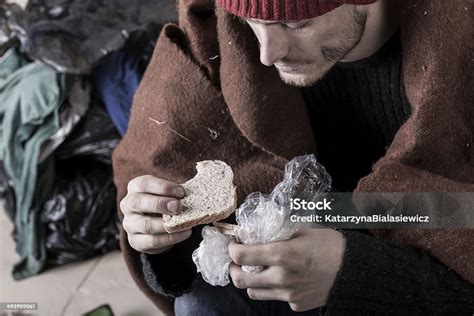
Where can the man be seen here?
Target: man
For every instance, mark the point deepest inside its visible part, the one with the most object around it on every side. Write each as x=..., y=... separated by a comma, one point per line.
x=304, y=50
x=348, y=59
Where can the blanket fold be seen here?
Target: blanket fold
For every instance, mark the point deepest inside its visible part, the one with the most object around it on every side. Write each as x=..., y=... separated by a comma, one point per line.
x=434, y=150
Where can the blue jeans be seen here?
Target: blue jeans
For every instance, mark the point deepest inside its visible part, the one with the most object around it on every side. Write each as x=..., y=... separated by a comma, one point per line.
x=207, y=300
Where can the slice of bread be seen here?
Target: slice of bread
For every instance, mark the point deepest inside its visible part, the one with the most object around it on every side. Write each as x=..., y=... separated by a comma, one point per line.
x=210, y=196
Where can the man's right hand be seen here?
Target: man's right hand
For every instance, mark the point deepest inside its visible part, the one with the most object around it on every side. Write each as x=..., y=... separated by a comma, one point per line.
x=147, y=199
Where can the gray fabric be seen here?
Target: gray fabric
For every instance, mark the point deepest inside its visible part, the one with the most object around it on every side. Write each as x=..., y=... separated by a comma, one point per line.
x=30, y=96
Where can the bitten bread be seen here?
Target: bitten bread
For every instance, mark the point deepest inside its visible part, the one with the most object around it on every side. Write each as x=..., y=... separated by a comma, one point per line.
x=210, y=196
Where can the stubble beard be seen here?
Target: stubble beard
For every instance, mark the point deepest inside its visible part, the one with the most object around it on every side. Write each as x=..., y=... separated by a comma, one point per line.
x=315, y=74
x=332, y=55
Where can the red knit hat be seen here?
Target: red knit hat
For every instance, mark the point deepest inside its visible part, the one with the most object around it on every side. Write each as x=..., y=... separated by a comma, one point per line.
x=284, y=10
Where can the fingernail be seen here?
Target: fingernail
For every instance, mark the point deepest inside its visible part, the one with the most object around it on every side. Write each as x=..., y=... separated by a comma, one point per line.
x=173, y=206
x=179, y=192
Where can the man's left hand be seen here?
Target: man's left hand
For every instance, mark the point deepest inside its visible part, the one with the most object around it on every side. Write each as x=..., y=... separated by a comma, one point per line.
x=300, y=271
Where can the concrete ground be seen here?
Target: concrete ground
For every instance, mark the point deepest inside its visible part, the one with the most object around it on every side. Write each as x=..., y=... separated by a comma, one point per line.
x=72, y=289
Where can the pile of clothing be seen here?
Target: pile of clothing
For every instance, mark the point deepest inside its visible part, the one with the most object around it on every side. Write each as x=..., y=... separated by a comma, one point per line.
x=68, y=73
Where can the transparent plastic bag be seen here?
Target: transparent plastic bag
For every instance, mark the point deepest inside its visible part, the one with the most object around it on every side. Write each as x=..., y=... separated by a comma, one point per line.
x=262, y=218
x=212, y=258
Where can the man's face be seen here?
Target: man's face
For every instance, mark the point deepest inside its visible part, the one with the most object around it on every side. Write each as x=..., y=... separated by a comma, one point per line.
x=304, y=51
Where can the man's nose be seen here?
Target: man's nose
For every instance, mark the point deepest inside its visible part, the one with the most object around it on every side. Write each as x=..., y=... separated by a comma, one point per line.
x=273, y=45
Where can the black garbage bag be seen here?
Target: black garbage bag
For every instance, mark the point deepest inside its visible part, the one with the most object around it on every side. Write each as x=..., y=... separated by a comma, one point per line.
x=80, y=217
x=11, y=26
x=73, y=35
x=95, y=135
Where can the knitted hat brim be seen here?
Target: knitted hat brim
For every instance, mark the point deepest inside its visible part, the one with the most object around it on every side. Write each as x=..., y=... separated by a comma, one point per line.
x=284, y=10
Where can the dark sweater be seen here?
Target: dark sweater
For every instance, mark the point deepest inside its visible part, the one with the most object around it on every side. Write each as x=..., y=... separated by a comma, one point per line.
x=355, y=111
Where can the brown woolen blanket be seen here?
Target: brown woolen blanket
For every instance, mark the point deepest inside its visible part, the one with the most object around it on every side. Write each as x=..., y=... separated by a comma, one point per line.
x=205, y=95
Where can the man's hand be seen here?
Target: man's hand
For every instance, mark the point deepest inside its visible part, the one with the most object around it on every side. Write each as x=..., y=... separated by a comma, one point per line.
x=300, y=271
x=147, y=199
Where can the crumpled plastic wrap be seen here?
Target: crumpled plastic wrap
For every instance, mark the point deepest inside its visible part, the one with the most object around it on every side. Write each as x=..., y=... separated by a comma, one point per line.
x=212, y=258
x=262, y=219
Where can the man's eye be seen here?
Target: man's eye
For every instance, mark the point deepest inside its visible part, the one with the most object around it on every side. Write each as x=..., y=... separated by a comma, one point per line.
x=296, y=25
